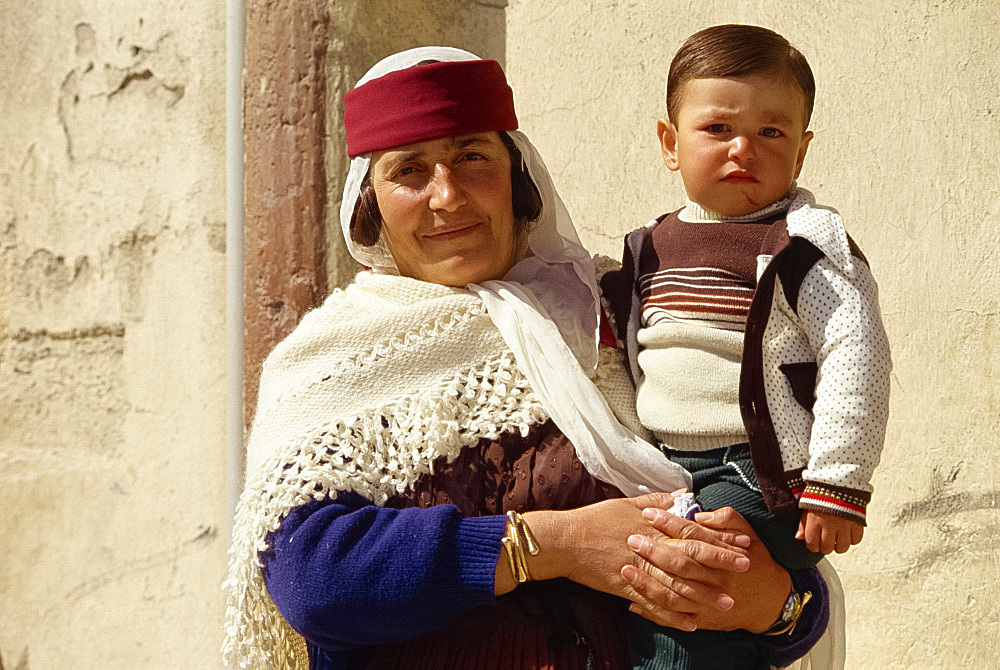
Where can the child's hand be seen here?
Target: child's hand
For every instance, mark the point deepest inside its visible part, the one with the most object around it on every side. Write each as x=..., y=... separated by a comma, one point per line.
x=826, y=532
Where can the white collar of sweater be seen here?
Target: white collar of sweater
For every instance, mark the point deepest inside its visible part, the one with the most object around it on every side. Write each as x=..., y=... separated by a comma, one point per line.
x=695, y=213
x=820, y=225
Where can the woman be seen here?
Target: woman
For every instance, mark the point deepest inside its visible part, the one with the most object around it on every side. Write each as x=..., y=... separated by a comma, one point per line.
x=437, y=463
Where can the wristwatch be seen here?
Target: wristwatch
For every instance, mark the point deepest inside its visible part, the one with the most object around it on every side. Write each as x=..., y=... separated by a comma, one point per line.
x=790, y=613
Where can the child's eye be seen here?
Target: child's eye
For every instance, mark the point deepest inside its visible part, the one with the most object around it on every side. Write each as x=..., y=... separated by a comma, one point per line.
x=771, y=132
x=716, y=128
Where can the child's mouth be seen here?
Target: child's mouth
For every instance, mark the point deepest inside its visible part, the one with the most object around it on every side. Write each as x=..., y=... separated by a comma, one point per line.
x=740, y=178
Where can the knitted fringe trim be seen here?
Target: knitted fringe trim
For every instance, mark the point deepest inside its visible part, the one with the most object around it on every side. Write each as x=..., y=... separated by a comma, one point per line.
x=376, y=454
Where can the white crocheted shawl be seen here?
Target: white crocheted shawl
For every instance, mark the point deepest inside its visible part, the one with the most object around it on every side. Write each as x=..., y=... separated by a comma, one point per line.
x=385, y=378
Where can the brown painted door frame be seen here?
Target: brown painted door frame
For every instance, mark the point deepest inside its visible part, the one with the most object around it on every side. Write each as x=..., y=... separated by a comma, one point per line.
x=284, y=112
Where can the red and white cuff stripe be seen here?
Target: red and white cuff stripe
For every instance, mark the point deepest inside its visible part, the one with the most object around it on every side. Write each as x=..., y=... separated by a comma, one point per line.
x=845, y=503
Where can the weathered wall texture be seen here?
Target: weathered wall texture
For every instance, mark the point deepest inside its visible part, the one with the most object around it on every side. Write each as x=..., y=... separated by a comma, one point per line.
x=112, y=345
x=907, y=127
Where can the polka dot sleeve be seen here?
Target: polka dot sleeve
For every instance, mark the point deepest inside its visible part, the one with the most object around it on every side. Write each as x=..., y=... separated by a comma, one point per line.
x=839, y=313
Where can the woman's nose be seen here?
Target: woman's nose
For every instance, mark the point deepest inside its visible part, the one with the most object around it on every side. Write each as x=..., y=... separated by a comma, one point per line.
x=446, y=191
x=741, y=148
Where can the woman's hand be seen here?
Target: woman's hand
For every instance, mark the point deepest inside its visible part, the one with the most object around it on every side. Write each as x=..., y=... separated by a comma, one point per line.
x=756, y=594
x=589, y=546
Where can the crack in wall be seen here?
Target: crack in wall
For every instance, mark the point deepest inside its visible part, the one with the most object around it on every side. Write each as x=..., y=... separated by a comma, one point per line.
x=66, y=91
x=937, y=483
x=946, y=506
x=24, y=335
x=87, y=108
x=942, y=506
x=42, y=282
x=206, y=535
x=953, y=544
x=133, y=77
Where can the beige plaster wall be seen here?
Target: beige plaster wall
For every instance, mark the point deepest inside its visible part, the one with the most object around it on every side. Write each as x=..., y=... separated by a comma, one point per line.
x=112, y=334
x=907, y=127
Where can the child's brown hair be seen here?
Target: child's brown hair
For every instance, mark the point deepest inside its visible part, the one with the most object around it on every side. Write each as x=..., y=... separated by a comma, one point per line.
x=735, y=50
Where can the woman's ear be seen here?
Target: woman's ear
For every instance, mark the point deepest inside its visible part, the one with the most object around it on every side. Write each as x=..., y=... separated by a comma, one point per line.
x=667, y=133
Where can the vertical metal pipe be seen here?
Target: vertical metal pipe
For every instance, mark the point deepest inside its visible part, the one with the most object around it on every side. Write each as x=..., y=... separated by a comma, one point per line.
x=235, y=457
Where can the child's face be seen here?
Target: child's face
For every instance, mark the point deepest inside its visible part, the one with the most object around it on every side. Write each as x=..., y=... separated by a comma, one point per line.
x=739, y=142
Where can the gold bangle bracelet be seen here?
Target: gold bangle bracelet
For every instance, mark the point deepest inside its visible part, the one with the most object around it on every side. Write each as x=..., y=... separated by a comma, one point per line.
x=517, y=537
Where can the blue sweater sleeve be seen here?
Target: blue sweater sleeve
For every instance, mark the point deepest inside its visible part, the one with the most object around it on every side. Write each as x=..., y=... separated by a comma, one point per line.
x=785, y=649
x=345, y=573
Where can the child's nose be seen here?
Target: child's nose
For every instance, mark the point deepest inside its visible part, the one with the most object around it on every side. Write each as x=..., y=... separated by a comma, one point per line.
x=741, y=148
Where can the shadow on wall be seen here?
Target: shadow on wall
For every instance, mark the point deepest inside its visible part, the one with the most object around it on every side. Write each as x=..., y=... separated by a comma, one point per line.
x=942, y=505
x=363, y=33
x=22, y=663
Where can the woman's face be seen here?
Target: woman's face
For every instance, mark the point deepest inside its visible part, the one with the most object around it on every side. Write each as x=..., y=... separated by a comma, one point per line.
x=446, y=208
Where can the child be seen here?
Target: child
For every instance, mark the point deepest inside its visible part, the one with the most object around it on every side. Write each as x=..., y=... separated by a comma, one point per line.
x=752, y=328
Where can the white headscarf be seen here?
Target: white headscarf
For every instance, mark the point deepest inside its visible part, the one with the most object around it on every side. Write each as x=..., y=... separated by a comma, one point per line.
x=547, y=309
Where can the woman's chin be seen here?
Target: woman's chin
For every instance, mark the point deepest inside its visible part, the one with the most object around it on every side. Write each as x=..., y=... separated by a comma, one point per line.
x=460, y=271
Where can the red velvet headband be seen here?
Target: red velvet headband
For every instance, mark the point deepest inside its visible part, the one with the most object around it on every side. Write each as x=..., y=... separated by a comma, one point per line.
x=427, y=102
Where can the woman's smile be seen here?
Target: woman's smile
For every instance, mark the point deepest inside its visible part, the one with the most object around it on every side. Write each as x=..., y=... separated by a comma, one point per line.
x=454, y=232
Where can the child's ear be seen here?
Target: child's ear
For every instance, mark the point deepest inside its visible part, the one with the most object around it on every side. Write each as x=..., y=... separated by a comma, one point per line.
x=668, y=143
x=803, y=146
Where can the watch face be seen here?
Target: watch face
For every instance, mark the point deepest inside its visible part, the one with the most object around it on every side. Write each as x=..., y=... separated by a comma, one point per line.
x=788, y=611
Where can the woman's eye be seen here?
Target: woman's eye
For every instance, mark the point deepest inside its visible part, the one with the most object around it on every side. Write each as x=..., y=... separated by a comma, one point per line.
x=473, y=156
x=405, y=170
x=771, y=132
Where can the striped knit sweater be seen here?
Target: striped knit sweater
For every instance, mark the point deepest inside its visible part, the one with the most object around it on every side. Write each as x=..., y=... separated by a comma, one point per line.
x=696, y=282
